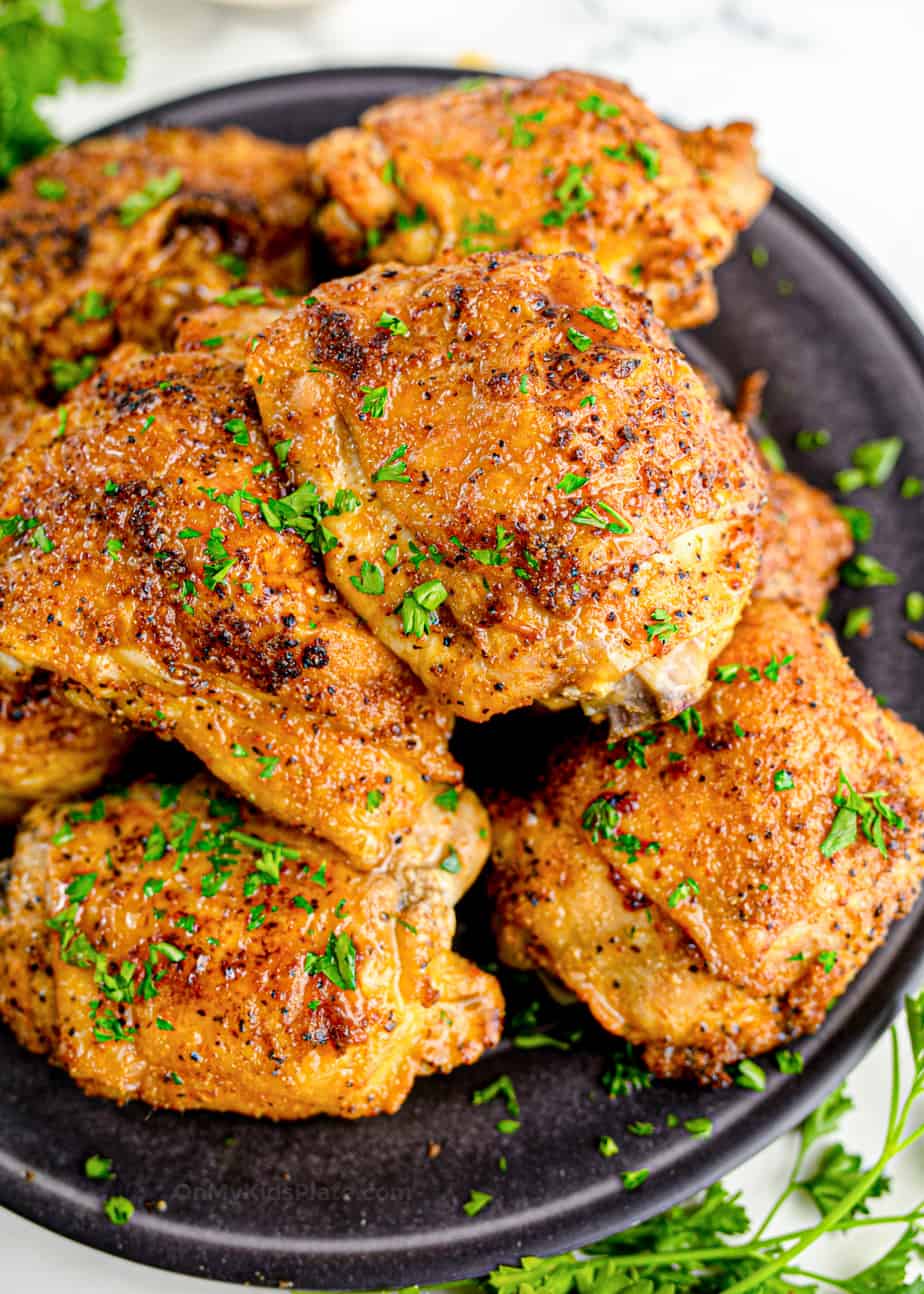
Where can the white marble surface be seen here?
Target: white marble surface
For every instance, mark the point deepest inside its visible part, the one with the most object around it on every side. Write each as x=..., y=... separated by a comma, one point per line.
x=835, y=86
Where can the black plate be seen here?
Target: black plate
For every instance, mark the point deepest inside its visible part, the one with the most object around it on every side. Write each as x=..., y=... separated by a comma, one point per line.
x=353, y=1205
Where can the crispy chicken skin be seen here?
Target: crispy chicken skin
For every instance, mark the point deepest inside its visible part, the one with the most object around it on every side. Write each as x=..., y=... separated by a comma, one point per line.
x=567, y=162
x=678, y=886
x=805, y=539
x=86, y=262
x=49, y=749
x=553, y=507
x=156, y=589
x=192, y=943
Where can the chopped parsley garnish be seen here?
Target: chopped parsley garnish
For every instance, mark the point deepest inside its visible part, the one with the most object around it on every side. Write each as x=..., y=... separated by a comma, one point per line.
x=375, y=399
x=477, y=1201
x=235, y=265
x=783, y=780
x=876, y=459
x=238, y=429
x=588, y=402
x=304, y=511
x=250, y=296
x=634, y=747
x=114, y=548
x=607, y=1146
x=451, y=863
x=579, y=340
x=520, y=135
x=572, y=194
x=790, y=1062
x=771, y=451
x=448, y=799
x=595, y=104
x=863, y=571
x=494, y=556
x=867, y=810
x=633, y=1180
x=661, y=627
x=395, y=466
x=419, y=605
x=687, y=889
x=370, y=580
x=155, y=192
x=701, y=1128
x=827, y=961
x=750, y=1075
x=858, y=622
x=502, y=1088
x=337, y=963
x=571, y=482
x=641, y=1129
x=760, y=257
x=809, y=440
x=395, y=326
x=98, y=1168
x=649, y=157
x=859, y=521
x=67, y=373
x=373, y=799
x=591, y=516
x=92, y=305
x=914, y=606
x=603, y=316
x=51, y=190
x=119, y=1210
x=911, y=487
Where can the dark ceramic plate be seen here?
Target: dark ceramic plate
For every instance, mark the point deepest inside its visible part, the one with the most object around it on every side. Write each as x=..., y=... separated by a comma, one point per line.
x=353, y=1205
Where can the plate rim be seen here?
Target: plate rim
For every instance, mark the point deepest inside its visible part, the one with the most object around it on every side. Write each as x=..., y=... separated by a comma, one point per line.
x=225, y=1257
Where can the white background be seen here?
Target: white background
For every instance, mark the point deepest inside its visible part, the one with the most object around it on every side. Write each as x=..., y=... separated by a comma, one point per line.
x=835, y=87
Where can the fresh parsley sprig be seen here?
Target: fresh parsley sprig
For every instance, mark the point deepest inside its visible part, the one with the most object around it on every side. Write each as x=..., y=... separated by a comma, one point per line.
x=39, y=54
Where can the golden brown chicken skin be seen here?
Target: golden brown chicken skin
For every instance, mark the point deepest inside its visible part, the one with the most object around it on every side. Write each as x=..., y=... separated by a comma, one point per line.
x=570, y=161
x=221, y=961
x=553, y=507
x=108, y=240
x=706, y=888
x=49, y=749
x=805, y=539
x=149, y=564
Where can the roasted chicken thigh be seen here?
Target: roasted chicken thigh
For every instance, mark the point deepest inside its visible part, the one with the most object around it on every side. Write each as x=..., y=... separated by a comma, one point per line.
x=545, y=503
x=152, y=563
x=221, y=961
x=709, y=887
x=570, y=161
x=108, y=240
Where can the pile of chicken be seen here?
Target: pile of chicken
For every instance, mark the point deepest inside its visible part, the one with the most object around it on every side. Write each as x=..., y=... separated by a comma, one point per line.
x=299, y=529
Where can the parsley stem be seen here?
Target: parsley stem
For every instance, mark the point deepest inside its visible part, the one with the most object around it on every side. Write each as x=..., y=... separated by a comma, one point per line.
x=845, y=1207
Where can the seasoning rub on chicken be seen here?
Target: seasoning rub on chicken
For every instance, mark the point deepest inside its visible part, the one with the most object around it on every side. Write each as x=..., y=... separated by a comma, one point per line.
x=546, y=503
x=153, y=560
x=709, y=887
x=570, y=161
x=221, y=961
